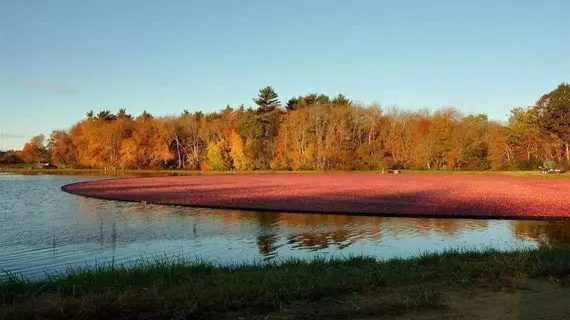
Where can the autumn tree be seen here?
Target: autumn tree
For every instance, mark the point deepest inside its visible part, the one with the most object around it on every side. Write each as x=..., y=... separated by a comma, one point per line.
x=237, y=152
x=293, y=141
x=35, y=151
x=148, y=145
x=11, y=157
x=61, y=148
x=315, y=132
x=217, y=156
x=195, y=139
x=470, y=143
x=178, y=134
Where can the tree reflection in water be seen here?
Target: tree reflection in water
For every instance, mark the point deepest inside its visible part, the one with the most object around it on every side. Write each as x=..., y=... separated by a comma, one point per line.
x=268, y=238
x=323, y=231
x=544, y=233
x=311, y=232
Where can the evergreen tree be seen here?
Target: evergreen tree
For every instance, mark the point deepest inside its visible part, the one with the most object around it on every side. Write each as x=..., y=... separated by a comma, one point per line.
x=341, y=100
x=268, y=117
x=123, y=114
x=292, y=104
x=146, y=116
x=106, y=115
x=267, y=100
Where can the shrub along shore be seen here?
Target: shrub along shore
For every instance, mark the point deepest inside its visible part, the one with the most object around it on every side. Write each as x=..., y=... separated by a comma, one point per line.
x=358, y=287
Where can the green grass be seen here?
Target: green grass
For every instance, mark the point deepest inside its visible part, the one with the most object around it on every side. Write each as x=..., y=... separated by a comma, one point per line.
x=198, y=290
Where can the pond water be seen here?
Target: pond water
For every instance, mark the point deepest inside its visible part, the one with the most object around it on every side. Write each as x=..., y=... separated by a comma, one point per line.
x=45, y=230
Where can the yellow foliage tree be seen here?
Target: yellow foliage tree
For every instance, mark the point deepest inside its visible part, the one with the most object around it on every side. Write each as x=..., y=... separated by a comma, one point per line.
x=237, y=154
x=215, y=156
x=128, y=153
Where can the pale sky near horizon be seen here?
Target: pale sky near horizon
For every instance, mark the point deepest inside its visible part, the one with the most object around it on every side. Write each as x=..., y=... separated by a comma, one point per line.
x=61, y=58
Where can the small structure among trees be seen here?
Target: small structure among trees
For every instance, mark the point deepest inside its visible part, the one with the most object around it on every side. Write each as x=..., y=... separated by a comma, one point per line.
x=550, y=167
x=49, y=165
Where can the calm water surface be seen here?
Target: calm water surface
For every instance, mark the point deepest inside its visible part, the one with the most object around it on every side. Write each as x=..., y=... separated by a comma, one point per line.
x=43, y=229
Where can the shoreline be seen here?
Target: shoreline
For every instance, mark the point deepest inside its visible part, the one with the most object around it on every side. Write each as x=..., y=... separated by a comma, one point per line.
x=183, y=172
x=434, y=284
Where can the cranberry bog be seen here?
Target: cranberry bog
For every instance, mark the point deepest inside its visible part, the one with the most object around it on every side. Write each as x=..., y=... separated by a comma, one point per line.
x=417, y=195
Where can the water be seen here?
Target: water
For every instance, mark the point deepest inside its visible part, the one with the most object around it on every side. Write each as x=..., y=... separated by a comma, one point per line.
x=44, y=230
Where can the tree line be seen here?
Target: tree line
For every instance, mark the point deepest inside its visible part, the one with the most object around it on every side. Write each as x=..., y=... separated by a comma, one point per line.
x=311, y=132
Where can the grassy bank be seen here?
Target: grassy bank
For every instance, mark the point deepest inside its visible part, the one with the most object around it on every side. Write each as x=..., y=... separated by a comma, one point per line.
x=128, y=172
x=352, y=288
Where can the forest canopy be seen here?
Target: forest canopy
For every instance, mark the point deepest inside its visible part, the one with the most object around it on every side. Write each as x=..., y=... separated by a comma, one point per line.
x=311, y=132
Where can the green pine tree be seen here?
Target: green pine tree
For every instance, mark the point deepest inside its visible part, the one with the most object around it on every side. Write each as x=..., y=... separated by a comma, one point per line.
x=267, y=100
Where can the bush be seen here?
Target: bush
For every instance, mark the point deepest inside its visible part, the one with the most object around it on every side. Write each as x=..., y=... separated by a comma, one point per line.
x=527, y=165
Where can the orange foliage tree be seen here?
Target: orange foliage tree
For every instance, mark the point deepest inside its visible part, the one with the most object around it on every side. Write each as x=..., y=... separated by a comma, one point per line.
x=312, y=132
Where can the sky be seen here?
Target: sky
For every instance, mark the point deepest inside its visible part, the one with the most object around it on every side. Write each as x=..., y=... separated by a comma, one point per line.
x=62, y=58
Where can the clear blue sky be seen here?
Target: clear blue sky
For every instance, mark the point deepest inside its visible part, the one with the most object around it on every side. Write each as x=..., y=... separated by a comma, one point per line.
x=63, y=58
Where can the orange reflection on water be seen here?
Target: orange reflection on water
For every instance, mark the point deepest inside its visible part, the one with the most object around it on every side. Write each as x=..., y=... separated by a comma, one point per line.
x=544, y=233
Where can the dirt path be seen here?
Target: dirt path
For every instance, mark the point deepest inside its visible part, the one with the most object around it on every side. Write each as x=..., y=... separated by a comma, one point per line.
x=534, y=300
x=398, y=195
